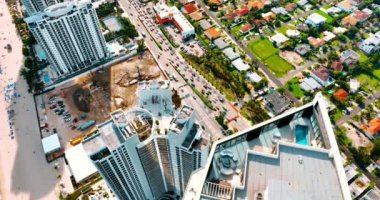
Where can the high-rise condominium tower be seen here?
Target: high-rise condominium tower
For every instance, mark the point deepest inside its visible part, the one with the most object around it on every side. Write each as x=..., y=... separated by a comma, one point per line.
x=146, y=152
x=70, y=35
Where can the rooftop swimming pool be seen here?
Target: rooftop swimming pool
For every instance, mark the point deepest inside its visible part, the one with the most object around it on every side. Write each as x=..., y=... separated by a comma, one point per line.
x=302, y=133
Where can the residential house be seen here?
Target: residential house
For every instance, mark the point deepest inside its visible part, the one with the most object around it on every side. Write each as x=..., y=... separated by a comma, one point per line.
x=276, y=103
x=315, y=20
x=189, y=8
x=279, y=11
x=212, y=33
x=347, y=5
x=293, y=33
x=196, y=16
x=290, y=7
x=253, y=77
x=205, y=25
x=230, y=16
x=310, y=84
x=246, y=28
x=220, y=43
x=216, y=2
x=327, y=36
x=316, y=42
x=240, y=65
x=337, y=66
x=341, y=95
x=361, y=16
x=279, y=39
x=322, y=76
x=333, y=10
x=269, y=16
x=242, y=11
x=302, y=49
x=354, y=85
x=349, y=57
x=339, y=30
x=371, y=44
x=372, y=129
x=302, y=3
x=349, y=21
x=230, y=53
x=256, y=4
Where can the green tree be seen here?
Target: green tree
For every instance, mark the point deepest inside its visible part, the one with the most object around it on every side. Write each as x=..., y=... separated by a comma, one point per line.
x=351, y=32
x=141, y=47
x=375, y=152
x=25, y=51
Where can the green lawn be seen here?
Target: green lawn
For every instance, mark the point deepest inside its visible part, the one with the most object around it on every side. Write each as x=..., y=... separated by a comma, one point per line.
x=284, y=28
x=235, y=31
x=327, y=16
x=336, y=115
x=369, y=81
x=362, y=57
x=327, y=6
x=262, y=48
x=278, y=65
x=294, y=87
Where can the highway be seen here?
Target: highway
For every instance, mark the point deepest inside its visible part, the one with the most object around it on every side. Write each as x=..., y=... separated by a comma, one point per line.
x=171, y=63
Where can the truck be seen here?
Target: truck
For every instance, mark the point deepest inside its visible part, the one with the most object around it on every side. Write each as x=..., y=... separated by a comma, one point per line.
x=87, y=125
x=76, y=140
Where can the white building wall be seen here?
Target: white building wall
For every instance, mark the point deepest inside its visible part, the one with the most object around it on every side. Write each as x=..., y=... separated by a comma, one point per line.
x=73, y=45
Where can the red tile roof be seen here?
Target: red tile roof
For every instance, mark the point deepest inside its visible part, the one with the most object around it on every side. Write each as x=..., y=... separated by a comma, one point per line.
x=341, y=95
x=242, y=11
x=246, y=28
x=212, y=33
x=322, y=73
x=290, y=7
x=230, y=16
x=373, y=126
x=190, y=8
x=337, y=66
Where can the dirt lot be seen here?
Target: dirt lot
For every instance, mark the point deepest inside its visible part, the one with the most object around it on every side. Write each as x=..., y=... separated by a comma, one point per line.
x=98, y=93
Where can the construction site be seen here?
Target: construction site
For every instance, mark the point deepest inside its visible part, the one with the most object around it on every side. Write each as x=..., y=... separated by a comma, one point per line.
x=92, y=96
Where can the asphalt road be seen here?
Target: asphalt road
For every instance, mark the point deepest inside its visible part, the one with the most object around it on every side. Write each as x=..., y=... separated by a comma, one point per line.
x=263, y=68
x=356, y=110
x=169, y=61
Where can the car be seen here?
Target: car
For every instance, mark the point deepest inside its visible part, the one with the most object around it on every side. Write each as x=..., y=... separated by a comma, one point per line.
x=67, y=119
x=52, y=107
x=54, y=130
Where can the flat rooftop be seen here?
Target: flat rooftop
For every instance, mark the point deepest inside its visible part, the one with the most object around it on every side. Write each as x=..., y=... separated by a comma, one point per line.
x=116, y=130
x=293, y=155
x=294, y=172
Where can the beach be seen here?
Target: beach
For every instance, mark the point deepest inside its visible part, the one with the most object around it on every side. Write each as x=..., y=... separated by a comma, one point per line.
x=24, y=172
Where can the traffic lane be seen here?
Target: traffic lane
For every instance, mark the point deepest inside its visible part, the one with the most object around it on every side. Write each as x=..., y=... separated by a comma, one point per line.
x=141, y=27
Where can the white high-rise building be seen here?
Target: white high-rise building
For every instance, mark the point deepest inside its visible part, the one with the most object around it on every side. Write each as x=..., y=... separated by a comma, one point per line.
x=70, y=35
x=34, y=6
x=142, y=154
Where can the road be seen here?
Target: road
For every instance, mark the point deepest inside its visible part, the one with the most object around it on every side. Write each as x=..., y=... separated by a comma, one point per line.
x=263, y=68
x=364, y=170
x=356, y=110
x=172, y=63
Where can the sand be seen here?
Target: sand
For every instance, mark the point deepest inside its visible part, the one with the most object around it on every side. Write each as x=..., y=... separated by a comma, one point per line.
x=24, y=172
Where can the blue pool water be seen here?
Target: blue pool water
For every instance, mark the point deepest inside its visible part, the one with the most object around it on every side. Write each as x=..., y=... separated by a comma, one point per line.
x=46, y=78
x=301, y=133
